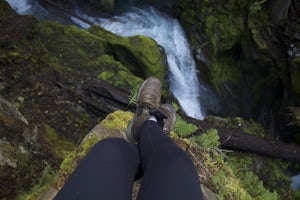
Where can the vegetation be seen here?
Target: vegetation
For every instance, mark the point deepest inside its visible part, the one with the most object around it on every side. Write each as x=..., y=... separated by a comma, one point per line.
x=39, y=58
x=182, y=128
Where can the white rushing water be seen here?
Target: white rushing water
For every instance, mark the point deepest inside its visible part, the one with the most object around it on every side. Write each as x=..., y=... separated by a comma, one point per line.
x=168, y=33
x=22, y=7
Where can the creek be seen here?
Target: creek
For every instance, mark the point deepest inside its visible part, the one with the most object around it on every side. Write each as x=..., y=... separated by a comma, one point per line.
x=146, y=21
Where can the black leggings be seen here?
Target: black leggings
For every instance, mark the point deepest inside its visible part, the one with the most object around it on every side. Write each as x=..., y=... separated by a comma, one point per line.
x=110, y=168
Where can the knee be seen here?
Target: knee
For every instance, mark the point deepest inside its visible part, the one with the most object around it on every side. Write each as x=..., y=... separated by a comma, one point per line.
x=179, y=160
x=110, y=145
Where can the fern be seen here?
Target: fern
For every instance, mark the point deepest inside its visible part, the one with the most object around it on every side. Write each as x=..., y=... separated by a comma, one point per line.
x=208, y=139
x=182, y=128
x=133, y=95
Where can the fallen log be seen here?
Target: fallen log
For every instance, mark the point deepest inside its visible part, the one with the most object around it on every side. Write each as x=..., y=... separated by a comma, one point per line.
x=236, y=139
x=102, y=88
x=100, y=97
x=110, y=98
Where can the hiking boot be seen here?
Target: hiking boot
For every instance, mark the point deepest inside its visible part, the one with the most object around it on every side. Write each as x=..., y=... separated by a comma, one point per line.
x=148, y=98
x=170, y=113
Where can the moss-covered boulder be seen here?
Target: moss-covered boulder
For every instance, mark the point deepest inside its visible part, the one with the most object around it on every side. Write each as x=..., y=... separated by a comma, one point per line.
x=117, y=74
x=238, y=52
x=81, y=52
x=140, y=54
x=223, y=175
x=43, y=64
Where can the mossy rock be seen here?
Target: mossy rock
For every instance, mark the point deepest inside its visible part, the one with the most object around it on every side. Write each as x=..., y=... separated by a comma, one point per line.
x=72, y=50
x=19, y=168
x=225, y=69
x=214, y=171
x=71, y=46
x=140, y=54
x=58, y=145
x=114, y=125
x=116, y=73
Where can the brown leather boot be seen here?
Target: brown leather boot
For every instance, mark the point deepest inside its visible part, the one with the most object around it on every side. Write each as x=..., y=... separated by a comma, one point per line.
x=148, y=98
x=169, y=121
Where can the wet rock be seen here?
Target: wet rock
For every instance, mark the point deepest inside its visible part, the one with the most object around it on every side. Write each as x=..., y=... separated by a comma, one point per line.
x=7, y=154
x=10, y=115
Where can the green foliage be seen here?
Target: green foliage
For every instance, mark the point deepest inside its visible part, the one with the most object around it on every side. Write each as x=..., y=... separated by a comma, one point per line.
x=133, y=95
x=241, y=167
x=60, y=146
x=117, y=120
x=175, y=106
x=41, y=185
x=277, y=178
x=210, y=138
x=223, y=180
x=248, y=126
x=182, y=128
x=225, y=69
x=140, y=54
x=116, y=73
x=256, y=7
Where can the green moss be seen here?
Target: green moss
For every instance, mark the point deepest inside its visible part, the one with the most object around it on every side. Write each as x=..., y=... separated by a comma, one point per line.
x=8, y=151
x=210, y=31
x=223, y=181
x=108, y=3
x=224, y=69
x=241, y=167
x=60, y=147
x=117, y=120
x=276, y=177
x=224, y=29
x=209, y=138
x=248, y=126
x=116, y=73
x=72, y=46
x=182, y=128
x=140, y=54
x=42, y=184
x=257, y=21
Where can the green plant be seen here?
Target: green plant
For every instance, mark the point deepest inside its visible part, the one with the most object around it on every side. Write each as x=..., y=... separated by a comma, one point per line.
x=242, y=168
x=133, y=95
x=41, y=185
x=256, y=6
x=210, y=138
x=182, y=128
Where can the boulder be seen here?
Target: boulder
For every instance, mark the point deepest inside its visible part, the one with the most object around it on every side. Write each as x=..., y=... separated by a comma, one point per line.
x=219, y=178
x=239, y=53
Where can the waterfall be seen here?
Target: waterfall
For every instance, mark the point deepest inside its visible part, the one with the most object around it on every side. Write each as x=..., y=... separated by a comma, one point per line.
x=22, y=7
x=168, y=33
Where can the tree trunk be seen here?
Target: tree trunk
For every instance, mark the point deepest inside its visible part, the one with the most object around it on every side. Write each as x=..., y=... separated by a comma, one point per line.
x=236, y=139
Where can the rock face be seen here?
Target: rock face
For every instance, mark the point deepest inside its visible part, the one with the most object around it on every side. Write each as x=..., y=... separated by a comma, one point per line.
x=40, y=120
x=45, y=71
x=219, y=179
x=243, y=55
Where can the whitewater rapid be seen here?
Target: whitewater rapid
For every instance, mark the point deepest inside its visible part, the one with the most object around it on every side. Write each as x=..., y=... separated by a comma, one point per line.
x=168, y=33
x=165, y=30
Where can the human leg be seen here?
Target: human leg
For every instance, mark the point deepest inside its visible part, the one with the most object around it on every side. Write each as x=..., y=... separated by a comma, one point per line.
x=107, y=172
x=168, y=172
